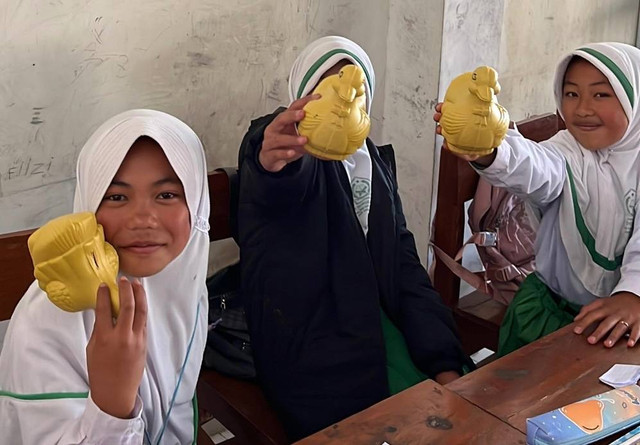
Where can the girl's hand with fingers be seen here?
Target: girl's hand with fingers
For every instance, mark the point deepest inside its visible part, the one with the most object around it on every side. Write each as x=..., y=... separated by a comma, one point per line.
x=617, y=315
x=480, y=159
x=116, y=353
x=282, y=144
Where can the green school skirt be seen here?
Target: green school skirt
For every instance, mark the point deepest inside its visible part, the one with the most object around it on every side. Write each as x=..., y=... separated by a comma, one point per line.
x=534, y=312
x=401, y=371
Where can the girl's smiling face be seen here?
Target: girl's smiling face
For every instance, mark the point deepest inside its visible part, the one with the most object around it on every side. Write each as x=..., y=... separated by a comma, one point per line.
x=591, y=110
x=144, y=212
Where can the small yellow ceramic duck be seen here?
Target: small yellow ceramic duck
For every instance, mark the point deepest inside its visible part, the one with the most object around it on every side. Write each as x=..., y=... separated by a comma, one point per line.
x=71, y=259
x=337, y=124
x=473, y=122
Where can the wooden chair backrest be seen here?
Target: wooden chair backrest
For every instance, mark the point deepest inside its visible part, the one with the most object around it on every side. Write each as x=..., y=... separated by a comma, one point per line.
x=456, y=185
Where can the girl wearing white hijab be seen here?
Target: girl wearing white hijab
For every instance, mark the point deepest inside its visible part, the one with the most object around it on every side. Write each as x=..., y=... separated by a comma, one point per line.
x=340, y=310
x=584, y=180
x=66, y=378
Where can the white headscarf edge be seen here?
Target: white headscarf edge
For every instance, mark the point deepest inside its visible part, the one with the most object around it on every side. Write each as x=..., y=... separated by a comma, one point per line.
x=322, y=54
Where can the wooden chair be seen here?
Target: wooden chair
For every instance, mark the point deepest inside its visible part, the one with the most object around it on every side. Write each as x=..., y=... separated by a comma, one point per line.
x=478, y=316
x=239, y=405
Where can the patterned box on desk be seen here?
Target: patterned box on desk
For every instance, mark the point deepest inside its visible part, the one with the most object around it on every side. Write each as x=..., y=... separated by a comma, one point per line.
x=588, y=420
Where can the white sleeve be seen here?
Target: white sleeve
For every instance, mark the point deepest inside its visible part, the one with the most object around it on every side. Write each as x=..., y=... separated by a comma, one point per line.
x=533, y=171
x=101, y=428
x=47, y=421
x=630, y=270
x=44, y=390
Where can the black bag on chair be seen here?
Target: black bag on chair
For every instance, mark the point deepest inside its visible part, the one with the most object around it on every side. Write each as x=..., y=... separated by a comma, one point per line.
x=228, y=348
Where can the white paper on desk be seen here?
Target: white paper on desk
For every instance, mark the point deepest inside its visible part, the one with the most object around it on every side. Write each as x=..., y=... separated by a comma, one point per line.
x=621, y=375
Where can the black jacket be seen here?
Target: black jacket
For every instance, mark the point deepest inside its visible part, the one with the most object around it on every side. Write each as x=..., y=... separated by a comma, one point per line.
x=314, y=285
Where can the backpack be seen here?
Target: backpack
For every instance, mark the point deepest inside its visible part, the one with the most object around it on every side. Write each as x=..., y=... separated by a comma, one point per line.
x=228, y=347
x=503, y=230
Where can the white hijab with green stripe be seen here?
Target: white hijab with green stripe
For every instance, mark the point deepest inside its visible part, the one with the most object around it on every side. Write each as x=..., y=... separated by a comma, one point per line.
x=306, y=71
x=599, y=196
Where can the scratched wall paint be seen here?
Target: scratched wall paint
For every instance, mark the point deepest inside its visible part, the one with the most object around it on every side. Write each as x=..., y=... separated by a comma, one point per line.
x=413, y=65
x=66, y=66
x=536, y=33
x=471, y=37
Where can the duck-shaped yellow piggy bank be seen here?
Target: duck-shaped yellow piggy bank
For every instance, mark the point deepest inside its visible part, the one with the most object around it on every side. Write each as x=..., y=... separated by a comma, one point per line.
x=337, y=124
x=472, y=121
x=71, y=259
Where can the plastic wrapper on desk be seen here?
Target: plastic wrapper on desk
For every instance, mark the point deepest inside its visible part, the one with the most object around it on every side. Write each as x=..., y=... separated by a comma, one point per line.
x=71, y=260
x=337, y=124
x=588, y=420
x=472, y=121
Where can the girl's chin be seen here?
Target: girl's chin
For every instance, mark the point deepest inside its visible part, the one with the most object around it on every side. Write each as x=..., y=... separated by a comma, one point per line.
x=141, y=271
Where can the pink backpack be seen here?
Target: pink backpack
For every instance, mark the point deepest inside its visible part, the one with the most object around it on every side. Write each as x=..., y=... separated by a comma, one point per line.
x=504, y=236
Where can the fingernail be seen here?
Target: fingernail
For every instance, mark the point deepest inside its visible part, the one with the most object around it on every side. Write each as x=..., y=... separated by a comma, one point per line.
x=578, y=330
x=102, y=286
x=302, y=140
x=300, y=113
x=632, y=343
x=592, y=339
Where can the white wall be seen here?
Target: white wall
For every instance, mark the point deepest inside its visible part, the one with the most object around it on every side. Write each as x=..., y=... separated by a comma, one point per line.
x=536, y=33
x=413, y=60
x=67, y=67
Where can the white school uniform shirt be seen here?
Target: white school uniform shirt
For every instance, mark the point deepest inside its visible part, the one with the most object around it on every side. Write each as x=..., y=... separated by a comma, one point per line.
x=44, y=388
x=588, y=242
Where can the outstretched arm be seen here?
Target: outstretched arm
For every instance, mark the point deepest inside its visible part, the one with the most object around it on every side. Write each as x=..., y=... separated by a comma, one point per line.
x=427, y=324
x=282, y=145
x=528, y=169
x=274, y=166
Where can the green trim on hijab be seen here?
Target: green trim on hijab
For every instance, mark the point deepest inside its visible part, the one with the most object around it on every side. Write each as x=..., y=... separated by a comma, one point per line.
x=322, y=60
x=628, y=88
x=587, y=238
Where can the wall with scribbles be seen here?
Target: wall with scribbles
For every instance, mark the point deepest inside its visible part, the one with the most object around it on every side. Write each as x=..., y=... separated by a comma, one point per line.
x=68, y=65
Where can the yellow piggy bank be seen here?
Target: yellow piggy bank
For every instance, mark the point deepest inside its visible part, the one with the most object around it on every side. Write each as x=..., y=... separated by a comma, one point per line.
x=71, y=259
x=472, y=121
x=337, y=124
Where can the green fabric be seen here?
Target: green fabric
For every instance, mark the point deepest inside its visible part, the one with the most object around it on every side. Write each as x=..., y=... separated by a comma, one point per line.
x=615, y=69
x=586, y=236
x=534, y=312
x=196, y=418
x=401, y=371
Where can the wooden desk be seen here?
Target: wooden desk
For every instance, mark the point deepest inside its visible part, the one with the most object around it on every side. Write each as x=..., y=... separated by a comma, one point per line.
x=556, y=370
x=427, y=413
